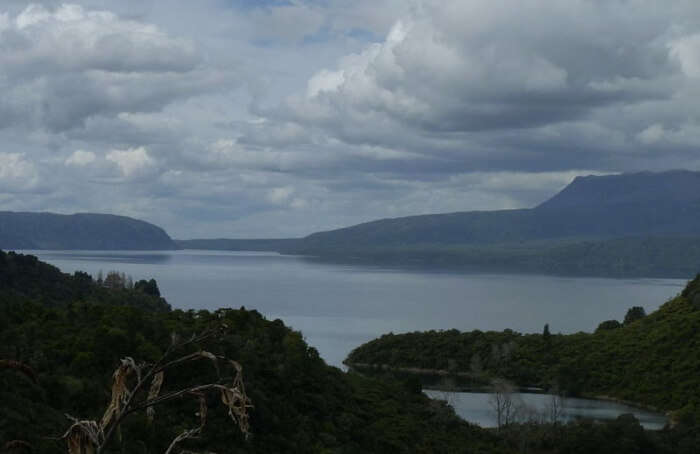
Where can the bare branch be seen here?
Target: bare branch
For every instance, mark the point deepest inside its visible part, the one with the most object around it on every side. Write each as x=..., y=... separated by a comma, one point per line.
x=91, y=437
x=14, y=445
x=20, y=367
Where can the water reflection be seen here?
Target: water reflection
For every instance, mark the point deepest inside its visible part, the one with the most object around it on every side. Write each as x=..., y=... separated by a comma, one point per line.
x=475, y=407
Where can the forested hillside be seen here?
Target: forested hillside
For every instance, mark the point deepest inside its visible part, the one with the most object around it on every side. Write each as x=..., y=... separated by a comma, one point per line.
x=642, y=224
x=65, y=335
x=69, y=342
x=641, y=204
x=79, y=231
x=653, y=360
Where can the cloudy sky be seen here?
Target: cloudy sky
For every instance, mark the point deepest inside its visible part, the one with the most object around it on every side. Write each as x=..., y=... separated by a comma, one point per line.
x=251, y=118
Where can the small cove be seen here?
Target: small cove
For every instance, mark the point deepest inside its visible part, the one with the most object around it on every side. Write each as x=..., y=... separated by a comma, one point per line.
x=476, y=408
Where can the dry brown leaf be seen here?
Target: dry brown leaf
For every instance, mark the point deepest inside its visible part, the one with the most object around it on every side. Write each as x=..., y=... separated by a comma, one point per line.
x=83, y=437
x=153, y=392
x=120, y=390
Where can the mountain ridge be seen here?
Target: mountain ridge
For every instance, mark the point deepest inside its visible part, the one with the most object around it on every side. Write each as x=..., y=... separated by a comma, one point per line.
x=79, y=231
x=593, y=207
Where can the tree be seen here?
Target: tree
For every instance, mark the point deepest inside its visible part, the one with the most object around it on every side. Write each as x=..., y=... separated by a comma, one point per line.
x=554, y=409
x=115, y=280
x=503, y=402
x=546, y=335
x=608, y=325
x=633, y=314
x=148, y=287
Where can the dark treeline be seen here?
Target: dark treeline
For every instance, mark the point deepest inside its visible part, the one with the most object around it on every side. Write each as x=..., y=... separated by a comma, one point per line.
x=670, y=257
x=650, y=359
x=71, y=333
x=224, y=244
x=62, y=336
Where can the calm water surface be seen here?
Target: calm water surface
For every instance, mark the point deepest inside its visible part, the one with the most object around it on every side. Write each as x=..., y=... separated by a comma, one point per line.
x=340, y=307
x=476, y=408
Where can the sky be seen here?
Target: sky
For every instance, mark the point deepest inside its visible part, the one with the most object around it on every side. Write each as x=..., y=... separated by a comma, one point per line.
x=273, y=118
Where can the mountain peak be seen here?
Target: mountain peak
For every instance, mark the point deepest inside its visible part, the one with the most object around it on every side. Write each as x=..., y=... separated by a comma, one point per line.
x=670, y=187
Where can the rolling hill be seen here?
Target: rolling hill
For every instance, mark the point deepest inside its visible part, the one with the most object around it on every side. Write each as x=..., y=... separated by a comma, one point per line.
x=22, y=230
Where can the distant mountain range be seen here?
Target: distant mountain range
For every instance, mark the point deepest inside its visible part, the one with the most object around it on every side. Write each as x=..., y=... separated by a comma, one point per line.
x=592, y=207
x=79, y=231
x=638, y=224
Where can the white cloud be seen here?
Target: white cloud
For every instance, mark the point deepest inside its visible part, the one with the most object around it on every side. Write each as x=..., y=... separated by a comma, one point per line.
x=60, y=67
x=80, y=158
x=687, y=50
x=321, y=114
x=71, y=38
x=280, y=195
x=16, y=173
x=652, y=134
x=133, y=162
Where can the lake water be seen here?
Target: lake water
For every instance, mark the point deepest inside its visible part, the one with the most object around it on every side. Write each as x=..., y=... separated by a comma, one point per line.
x=476, y=408
x=340, y=307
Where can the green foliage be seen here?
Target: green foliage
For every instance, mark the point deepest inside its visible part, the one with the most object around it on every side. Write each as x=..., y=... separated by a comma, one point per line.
x=608, y=325
x=26, y=277
x=652, y=360
x=300, y=403
x=148, y=287
x=633, y=314
x=634, y=256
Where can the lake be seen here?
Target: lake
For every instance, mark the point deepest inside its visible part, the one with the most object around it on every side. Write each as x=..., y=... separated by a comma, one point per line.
x=476, y=408
x=339, y=307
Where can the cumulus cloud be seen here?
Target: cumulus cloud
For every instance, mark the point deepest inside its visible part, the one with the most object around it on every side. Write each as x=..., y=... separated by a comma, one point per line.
x=132, y=163
x=687, y=50
x=80, y=158
x=69, y=38
x=468, y=67
x=281, y=118
x=61, y=66
x=17, y=175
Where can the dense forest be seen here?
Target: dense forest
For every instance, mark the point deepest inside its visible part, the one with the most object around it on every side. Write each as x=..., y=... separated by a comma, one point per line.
x=69, y=342
x=66, y=335
x=671, y=257
x=649, y=359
